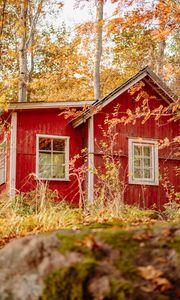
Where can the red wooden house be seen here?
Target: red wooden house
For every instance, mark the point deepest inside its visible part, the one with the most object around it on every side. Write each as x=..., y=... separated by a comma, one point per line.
x=37, y=139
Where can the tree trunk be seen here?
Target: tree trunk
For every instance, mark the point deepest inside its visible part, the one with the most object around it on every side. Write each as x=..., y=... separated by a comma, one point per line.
x=98, y=47
x=23, y=52
x=2, y=23
x=160, y=63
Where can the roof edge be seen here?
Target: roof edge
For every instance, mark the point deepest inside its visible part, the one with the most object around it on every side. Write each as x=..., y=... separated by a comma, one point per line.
x=45, y=105
x=146, y=71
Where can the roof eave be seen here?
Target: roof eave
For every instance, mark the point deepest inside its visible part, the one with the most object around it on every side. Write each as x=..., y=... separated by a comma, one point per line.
x=48, y=105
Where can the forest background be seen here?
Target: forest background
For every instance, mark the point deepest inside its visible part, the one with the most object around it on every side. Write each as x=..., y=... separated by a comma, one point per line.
x=80, y=50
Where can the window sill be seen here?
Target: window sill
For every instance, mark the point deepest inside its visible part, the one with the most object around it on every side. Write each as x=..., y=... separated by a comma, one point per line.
x=144, y=183
x=54, y=179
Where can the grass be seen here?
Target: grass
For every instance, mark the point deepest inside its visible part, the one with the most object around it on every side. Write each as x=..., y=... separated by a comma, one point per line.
x=38, y=211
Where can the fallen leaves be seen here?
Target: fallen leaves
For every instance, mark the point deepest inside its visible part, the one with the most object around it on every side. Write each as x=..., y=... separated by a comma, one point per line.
x=142, y=235
x=149, y=272
x=162, y=284
x=91, y=243
x=155, y=276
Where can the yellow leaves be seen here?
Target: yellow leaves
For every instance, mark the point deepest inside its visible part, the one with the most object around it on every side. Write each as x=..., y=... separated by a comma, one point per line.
x=12, y=53
x=3, y=102
x=176, y=106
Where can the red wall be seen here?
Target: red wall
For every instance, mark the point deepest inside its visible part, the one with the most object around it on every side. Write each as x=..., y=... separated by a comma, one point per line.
x=147, y=196
x=30, y=123
x=48, y=121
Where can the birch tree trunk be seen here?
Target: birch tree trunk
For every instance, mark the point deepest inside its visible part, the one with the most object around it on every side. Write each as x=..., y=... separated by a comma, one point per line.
x=22, y=52
x=2, y=17
x=98, y=47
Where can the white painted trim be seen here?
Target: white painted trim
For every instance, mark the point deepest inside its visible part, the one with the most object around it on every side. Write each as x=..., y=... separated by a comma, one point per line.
x=5, y=161
x=124, y=89
x=155, y=161
x=82, y=119
x=13, y=146
x=66, y=138
x=43, y=105
x=161, y=87
x=91, y=159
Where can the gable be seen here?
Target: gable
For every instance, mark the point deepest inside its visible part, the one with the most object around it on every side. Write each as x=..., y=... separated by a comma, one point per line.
x=147, y=76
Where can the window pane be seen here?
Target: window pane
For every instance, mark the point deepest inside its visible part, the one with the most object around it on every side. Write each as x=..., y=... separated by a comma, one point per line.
x=44, y=144
x=44, y=171
x=58, y=159
x=138, y=173
x=58, y=145
x=137, y=162
x=58, y=171
x=147, y=162
x=44, y=158
x=147, y=150
x=147, y=173
x=137, y=150
x=2, y=162
x=59, y=165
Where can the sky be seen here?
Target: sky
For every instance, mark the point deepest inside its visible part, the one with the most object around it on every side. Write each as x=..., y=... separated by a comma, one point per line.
x=72, y=16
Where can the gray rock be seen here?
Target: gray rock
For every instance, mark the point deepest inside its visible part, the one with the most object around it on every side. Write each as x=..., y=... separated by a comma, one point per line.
x=25, y=263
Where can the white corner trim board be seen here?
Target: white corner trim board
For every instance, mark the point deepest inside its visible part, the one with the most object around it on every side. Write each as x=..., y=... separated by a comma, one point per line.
x=91, y=159
x=13, y=141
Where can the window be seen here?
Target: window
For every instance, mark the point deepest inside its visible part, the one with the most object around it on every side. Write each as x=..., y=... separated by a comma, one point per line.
x=3, y=147
x=143, y=162
x=52, y=157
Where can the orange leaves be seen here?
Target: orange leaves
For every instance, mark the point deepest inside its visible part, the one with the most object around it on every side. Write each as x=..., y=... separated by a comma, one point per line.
x=154, y=275
x=91, y=243
x=115, y=24
x=74, y=113
x=164, y=143
x=149, y=272
x=71, y=113
x=162, y=284
x=141, y=236
x=160, y=33
x=136, y=88
x=85, y=28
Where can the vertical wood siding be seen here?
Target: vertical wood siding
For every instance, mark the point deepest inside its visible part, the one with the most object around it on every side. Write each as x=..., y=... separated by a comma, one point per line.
x=47, y=122
x=146, y=196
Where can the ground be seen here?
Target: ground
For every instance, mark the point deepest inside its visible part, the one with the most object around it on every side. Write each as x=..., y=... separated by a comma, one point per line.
x=101, y=263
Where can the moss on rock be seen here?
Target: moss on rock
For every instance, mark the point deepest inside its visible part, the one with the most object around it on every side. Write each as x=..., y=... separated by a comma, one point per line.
x=70, y=283
x=112, y=256
x=119, y=290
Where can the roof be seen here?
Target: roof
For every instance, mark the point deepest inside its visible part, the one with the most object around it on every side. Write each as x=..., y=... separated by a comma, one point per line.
x=145, y=74
x=45, y=105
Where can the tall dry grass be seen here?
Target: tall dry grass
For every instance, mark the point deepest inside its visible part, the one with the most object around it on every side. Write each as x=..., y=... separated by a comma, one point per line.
x=38, y=211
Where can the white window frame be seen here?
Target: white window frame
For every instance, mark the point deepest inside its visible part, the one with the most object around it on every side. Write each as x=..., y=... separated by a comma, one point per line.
x=3, y=176
x=66, y=138
x=155, y=164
